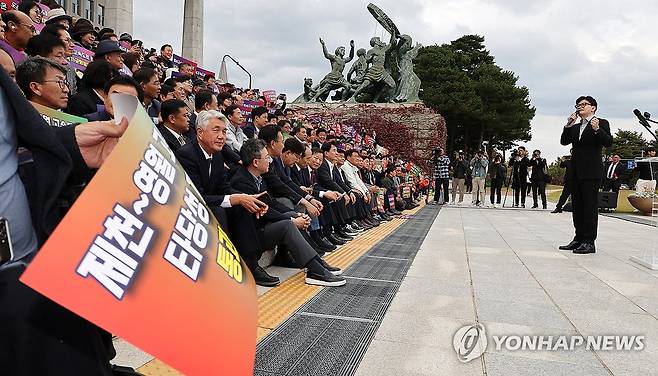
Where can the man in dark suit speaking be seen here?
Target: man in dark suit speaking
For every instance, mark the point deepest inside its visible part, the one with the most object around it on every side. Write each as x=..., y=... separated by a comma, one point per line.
x=587, y=137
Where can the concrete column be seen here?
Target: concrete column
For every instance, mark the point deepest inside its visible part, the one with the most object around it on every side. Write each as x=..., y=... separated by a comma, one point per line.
x=119, y=15
x=193, y=31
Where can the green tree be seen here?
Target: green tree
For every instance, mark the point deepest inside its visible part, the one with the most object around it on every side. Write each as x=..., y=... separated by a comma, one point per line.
x=479, y=100
x=627, y=144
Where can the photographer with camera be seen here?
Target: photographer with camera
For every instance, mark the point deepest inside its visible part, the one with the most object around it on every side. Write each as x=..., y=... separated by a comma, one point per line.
x=459, y=168
x=519, y=163
x=479, y=164
x=497, y=174
x=565, y=162
x=538, y=178
x=441, y=164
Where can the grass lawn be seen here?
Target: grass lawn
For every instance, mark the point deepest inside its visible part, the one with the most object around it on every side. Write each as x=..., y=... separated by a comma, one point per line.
x=623, y=206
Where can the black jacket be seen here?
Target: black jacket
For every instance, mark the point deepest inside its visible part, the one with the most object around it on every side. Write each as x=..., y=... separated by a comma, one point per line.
x=84, y=102
x=249, y=131
x=243, y=181
x=538, y=168
x=213, y=187
x=36, y=332
x=619, y=169
x=646, y=169
x=460, y=168
x=172, y=142
x=587, y=150
x=326, y=180
x=280, y=185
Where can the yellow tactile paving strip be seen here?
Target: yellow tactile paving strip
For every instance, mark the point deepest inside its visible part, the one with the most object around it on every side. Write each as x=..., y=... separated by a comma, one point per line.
x=276, y=305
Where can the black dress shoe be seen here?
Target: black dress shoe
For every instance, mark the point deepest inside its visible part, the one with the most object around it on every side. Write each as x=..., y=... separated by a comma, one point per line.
x=334, y=270
x=322, y=242
x=584, y=249
x=535, y=206
x=327, y=245
x=557, y=210
x=571, y=246
x=334, y=240
x=264, y=279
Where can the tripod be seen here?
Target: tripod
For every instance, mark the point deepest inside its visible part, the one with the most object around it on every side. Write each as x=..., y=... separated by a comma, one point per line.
x=509, y=183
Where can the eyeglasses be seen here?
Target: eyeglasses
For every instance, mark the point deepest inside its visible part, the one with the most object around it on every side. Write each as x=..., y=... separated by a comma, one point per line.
x=31, y=27
x=581, y=105
x=62, y=84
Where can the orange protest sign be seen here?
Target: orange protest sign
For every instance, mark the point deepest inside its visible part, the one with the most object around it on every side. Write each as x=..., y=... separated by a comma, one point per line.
x=141, y=255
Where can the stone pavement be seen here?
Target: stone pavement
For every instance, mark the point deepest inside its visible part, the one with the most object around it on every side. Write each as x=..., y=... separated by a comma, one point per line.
x=502, y=268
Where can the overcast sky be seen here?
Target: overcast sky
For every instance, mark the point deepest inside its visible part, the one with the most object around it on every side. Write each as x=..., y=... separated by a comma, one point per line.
x=559, y=49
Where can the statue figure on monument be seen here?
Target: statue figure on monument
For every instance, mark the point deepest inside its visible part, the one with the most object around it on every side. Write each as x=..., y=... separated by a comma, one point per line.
x=376, y=74
x=335, y=79
x=359, y=68
x=409, y=83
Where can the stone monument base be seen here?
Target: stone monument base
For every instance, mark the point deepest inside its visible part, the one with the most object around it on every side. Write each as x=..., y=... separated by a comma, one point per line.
x=408, y=130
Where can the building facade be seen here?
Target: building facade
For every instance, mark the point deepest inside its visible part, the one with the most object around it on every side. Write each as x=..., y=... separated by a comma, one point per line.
x=115, y=14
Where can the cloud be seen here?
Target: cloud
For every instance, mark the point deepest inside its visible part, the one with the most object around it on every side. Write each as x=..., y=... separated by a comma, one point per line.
x=558, y=48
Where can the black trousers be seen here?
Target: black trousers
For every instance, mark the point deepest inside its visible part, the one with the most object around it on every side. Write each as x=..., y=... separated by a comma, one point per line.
x=564, y=196
x=438, y=184
x=539, y=187
x=521, y=192
x=611, y=185
x=496, y=188
x=40, y=337
x=584, y=196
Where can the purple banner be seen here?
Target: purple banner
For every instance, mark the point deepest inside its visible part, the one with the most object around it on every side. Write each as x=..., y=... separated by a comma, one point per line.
x=177, y=60
x=203, y=73
x=81, y=58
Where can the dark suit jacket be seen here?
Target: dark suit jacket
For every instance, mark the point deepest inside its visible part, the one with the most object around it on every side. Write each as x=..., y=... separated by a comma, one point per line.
x=646, y=169
x=243, y=181
x=619, y=169
x=249, y=130
x=538, y=168
x=327, y=181
x=302, y=177
x=83, y=103
x=284, y=174
x=280, y=185
x=34, y=327
x=586, y=161
x=212, y=187
x=173, y=143
x=98, y=116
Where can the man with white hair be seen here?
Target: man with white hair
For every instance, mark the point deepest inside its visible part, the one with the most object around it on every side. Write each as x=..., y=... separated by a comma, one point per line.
x=203, y=162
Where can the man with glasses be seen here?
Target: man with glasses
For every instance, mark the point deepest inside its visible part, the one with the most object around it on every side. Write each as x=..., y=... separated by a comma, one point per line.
x=43, y=81
x=18, y=32
x=587, y=137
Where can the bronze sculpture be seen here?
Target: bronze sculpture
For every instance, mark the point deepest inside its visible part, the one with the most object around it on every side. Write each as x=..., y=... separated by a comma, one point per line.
x=373, y=80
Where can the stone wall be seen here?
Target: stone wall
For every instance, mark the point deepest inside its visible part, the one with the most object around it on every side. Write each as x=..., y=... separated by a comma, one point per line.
x=408, y=130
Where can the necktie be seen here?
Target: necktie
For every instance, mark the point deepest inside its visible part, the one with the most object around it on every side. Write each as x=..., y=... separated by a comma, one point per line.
x=312, y=177
x=611, y=170
x=209, y=166
x=182, y=140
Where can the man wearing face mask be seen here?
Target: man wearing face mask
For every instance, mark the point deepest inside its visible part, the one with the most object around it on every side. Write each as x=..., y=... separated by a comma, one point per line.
x=587, y=137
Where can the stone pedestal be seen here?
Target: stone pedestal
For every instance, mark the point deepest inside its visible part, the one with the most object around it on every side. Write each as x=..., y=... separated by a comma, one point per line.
x=408, y=130
x=193, y=31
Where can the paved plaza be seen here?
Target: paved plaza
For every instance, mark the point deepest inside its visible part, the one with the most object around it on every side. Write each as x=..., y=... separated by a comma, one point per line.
x=502, y=268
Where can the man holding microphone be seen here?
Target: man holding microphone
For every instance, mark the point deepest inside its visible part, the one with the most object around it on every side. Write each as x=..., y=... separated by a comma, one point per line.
x=587, y=137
